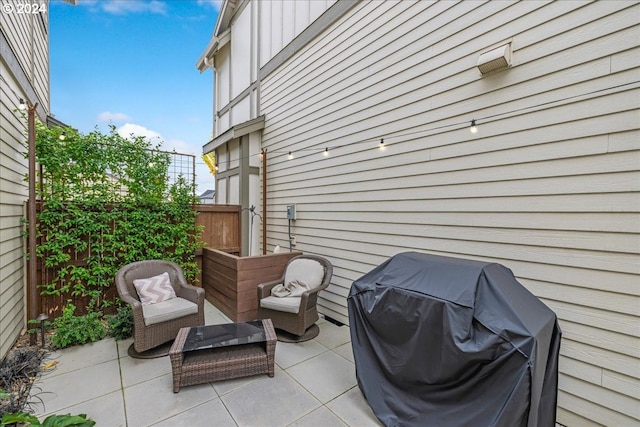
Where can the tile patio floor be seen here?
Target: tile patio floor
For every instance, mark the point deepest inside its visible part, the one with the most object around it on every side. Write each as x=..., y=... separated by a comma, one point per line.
x=314, y=385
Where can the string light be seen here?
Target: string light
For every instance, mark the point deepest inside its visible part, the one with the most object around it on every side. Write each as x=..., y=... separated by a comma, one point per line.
x=23, y=105
x=63, y=136
x=382, y=146
x=290, y=156
x=473, y=128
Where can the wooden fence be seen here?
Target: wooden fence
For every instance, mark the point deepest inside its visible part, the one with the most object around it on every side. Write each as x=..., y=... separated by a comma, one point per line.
x=221, y=231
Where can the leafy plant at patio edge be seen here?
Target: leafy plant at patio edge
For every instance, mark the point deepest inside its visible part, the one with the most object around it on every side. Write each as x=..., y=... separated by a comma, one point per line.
x=71, y=329
x=68, y=420
x=121, y=323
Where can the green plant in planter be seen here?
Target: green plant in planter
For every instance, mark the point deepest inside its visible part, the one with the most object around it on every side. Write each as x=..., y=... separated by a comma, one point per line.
x=121, y=323
x=27, y=420
x=72, y=330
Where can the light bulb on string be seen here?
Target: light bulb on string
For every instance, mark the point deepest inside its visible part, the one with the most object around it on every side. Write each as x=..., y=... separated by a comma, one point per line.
x=326, y=152
x=382, y=146
x=63, y=136
x=23, y=105
x=473, y=128
x=290, y=155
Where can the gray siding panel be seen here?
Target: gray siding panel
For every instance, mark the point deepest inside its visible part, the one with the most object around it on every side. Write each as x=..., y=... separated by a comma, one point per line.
x=549, y=186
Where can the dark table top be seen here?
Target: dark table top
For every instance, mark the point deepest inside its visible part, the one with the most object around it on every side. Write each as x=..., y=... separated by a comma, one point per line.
x=225, y=335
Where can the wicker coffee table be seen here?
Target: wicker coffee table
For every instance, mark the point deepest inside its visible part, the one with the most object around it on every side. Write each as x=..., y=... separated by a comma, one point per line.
x=203, y=354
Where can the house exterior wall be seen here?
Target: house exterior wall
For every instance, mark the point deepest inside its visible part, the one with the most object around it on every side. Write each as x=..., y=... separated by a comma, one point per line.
x=252, y=33
x=549, y=186
x=24, y=72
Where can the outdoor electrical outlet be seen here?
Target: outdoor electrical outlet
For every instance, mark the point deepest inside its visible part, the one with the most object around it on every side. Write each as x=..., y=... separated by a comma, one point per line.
x=293, y=240
x=291, y=212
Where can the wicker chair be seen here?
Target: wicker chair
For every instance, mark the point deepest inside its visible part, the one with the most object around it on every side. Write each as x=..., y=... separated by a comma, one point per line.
x=147, y=336
x=295, y=318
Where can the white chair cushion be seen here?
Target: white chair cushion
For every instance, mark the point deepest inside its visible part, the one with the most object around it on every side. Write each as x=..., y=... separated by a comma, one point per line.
x=167, y=310
x=308, y=271
x=289, y=304
x=154, y=289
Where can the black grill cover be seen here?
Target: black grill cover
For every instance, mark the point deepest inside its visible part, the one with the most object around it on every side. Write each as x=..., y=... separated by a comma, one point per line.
x=442, y=341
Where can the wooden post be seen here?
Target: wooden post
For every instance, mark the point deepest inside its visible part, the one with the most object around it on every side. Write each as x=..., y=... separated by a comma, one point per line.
x=264, y=201
x=32, y=311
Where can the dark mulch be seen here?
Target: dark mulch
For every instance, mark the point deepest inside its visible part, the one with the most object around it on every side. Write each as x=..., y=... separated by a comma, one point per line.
x=21, y=367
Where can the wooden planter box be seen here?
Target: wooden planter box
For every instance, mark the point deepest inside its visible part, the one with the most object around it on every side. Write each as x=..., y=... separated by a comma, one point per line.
x=230, y=282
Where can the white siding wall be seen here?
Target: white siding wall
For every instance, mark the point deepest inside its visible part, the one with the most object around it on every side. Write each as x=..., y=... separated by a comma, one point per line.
x=25, y=74
x=281, y=21
x=241, y=112
x=240, y=52
x=550, y=191
x=223, y=87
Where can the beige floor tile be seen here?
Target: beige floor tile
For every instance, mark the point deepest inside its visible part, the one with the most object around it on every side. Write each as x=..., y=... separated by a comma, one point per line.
x=346, y=351
x=353, y=409
x=106, y=411
x=211, y=413
x=81, y=356
x=135, y=371
x=326, y=376
x=78, y=386
x=270, y=402
x=321, y=417
x=227, y=386
x=332, y=336
x=289, y=354
x=154, y=400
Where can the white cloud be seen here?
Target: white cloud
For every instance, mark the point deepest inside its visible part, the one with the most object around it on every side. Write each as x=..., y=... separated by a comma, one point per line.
x=108, y=116
x=123, y=7
x=204, y=180
x=128, y=129
x=180, y=146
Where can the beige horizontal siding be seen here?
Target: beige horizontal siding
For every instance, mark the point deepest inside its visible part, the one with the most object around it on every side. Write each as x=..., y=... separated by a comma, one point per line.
x=13, y=191
x=27, y=34
x=28, y=42
x=549, y=186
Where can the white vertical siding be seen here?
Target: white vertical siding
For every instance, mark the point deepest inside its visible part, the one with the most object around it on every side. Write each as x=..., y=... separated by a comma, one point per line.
x=241, y=112
x=240, y=52
x=264, y=16
x=549, y=186
x=282, y=21
x=234, y=186
x=223, y=83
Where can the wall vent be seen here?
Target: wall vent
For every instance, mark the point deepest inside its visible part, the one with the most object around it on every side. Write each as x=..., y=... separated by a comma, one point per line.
x=495, y=59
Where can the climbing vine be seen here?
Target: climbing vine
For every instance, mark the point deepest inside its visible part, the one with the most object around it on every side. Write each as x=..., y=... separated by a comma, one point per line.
x=107, y=201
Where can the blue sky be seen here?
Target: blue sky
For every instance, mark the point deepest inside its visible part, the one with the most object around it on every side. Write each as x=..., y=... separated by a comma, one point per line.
x=132, y=63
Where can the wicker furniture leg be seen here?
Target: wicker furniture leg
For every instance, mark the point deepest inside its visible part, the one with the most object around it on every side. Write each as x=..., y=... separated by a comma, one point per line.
x=177, y=357
x=272, y=339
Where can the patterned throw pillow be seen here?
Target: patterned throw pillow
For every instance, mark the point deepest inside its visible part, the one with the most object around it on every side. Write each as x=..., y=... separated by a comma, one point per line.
x=154, y=289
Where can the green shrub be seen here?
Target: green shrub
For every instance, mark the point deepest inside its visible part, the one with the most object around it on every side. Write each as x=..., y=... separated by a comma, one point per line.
x=67, y=420
x=121, y=323
x=108, y=200
x=71, y=329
